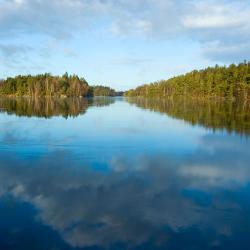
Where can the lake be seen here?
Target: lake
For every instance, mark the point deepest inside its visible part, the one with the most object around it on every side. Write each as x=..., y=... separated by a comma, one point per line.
x=117, y=173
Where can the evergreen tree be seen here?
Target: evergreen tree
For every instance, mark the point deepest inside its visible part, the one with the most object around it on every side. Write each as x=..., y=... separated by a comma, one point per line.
x=227, y=82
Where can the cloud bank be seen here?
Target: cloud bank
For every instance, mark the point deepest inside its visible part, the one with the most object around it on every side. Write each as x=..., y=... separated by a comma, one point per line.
x=221, y=28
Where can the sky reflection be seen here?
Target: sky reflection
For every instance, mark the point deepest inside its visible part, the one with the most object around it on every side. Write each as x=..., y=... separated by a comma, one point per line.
x=109, y=191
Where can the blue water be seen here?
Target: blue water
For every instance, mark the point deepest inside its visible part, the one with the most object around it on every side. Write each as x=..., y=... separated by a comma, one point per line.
x=121, y=177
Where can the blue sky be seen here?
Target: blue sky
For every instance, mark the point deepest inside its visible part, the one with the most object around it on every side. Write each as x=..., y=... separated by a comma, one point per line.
x=121, y=43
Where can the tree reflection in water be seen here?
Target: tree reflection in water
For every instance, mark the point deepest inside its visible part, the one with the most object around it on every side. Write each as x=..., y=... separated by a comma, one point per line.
x=215, y=114
x=50, y=107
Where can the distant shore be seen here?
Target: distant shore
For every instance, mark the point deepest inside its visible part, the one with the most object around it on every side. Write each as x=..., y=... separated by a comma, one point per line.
x=46, y=85
x=231, y=82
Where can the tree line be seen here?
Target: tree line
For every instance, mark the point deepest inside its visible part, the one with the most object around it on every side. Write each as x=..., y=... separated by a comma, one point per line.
x=102, y=91
x=48, y=85
x=219, y=81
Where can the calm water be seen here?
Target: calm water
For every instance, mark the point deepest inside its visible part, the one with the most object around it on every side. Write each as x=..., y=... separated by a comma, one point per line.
x=124, y=174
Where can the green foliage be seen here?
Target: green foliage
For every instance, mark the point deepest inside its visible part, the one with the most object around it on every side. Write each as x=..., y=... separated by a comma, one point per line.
x=102, y=91
x=227, y=82
x=48, y=85
x=44, y=85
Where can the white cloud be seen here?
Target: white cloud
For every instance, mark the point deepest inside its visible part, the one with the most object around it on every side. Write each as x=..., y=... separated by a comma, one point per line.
x=213, y=15
x=218, y=50
x=225, y=23
x=11, y=54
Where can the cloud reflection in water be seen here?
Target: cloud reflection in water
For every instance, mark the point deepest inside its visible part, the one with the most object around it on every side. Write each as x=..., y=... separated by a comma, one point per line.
x=197, y=201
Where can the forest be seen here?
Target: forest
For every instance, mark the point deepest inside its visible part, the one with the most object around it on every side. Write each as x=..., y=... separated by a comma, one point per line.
x=103, y=91
x=48, y=85
x=232, y=82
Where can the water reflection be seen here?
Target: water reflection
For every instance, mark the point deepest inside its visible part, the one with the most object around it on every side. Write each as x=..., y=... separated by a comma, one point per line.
x=49, y=107
x=230, y=115
x=145, y=202
x=152, y=199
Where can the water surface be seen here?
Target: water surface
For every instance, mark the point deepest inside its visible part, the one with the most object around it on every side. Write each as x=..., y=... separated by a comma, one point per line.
x=114, y=173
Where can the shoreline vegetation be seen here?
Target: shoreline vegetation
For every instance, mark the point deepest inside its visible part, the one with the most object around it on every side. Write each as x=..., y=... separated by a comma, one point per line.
x=46, y=85
x=219, y=82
